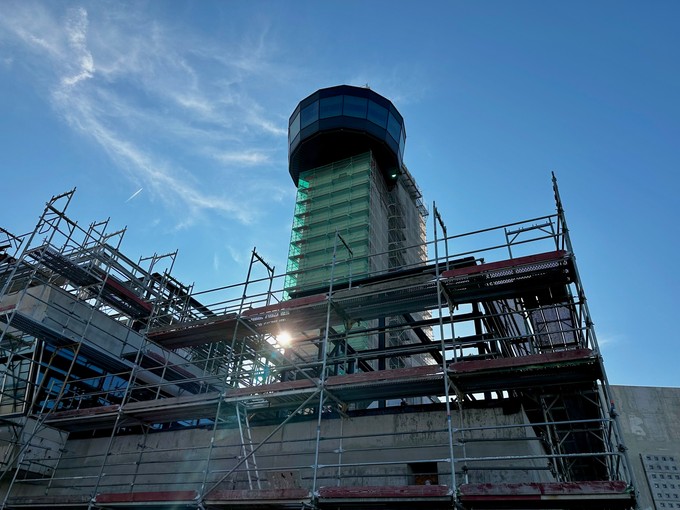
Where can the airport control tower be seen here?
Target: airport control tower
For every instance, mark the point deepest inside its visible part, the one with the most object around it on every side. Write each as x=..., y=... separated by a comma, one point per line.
x=346, y=147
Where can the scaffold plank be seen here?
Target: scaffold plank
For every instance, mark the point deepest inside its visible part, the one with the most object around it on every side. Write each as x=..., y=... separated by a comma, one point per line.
x=71, y=501
x=385, y=491
x=127, y=498
x=366, y=495
x=191, y=334
x=62, y=265
x=264, y=389
x=162, y=410
x=424, y=380
x=113, y=291
x=84, y=419
x=511, y=277
x=420, y=381
x=285, y=306
x=506, y=264
x=269, y=498
x=119, y=296
x=550, y=368
x=587, y=494
x=173, y=409
x=298, y=314
x=529, y=361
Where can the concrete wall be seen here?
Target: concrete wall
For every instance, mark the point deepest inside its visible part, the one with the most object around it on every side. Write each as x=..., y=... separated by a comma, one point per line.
x=35, y=448
x=650, y=421
x=383, y=449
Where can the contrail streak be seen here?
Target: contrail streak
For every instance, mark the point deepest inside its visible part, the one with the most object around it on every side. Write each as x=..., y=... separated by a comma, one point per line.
x=134, y=195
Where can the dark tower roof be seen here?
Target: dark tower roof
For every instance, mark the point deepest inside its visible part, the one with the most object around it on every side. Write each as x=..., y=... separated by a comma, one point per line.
x=343, y=121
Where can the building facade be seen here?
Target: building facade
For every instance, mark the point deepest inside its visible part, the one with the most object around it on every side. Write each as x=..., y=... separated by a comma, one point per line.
x=468, y=381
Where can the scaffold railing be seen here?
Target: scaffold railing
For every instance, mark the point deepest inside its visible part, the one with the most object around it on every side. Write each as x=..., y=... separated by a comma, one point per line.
x=477, y=366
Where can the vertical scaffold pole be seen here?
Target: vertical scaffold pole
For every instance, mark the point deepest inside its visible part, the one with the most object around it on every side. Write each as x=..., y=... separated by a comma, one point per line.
x=449, y=425
x=322, y=374
x=611, y=409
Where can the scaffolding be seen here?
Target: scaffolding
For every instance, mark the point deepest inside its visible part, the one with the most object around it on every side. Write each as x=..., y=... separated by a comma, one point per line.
x=124, y=388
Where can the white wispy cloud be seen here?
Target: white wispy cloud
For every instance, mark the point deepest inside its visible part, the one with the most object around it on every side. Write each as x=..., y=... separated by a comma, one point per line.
x=608, y=340
x=248, y=157
x=76, y=32
x=236, y=254
x=143, y=93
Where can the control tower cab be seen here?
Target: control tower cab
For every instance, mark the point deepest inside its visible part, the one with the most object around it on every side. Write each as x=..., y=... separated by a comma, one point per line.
x=339, y=122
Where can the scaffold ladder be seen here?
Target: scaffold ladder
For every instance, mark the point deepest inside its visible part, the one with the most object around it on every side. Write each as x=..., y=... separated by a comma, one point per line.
x=247, y=448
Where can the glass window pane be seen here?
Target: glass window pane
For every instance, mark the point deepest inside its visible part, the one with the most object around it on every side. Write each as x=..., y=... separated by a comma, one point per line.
x=309, y=114
x=393, y=127
x=294, y=128
x=330, y=107
x=377, y=114
x=402, y=143
x=355, y=107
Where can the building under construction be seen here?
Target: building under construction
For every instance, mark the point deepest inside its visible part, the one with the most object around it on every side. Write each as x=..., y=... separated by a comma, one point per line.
x=381, y=371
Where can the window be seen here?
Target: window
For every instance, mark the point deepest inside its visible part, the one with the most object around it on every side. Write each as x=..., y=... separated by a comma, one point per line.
x=402, y=143
x=377, y=114
x=294, y=128
x=355, y=107
x=393, y=127
x=309, y=114
x=330, y=107
x=424, y=473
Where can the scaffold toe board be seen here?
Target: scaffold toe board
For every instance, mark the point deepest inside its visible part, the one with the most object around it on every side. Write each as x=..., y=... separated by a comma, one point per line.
x=70, y=502
x=84, y=419
x=434, y=496
x=601, y=495
x=161, y=499
x=262, y=498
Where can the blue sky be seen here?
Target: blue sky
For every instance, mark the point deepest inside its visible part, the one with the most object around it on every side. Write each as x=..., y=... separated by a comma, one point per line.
x=189, y=101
